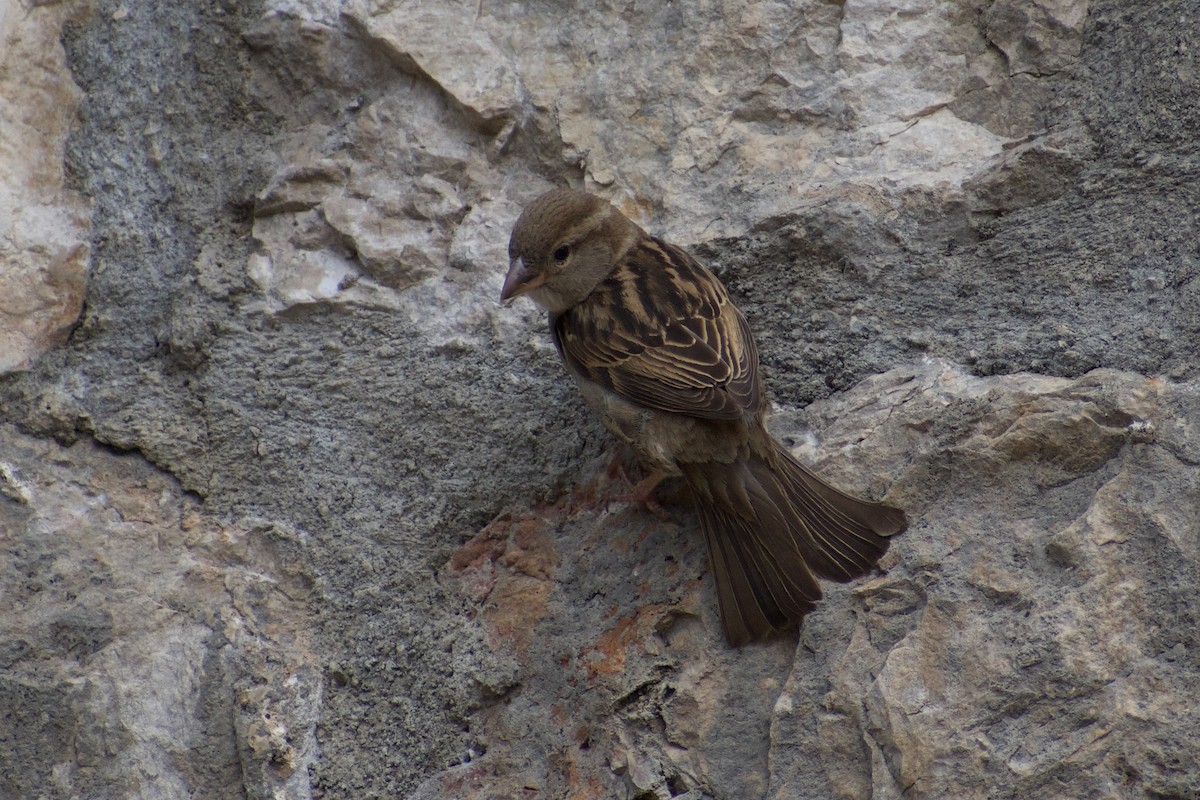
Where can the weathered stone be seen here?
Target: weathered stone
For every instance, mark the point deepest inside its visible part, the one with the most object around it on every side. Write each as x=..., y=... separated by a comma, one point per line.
x=1038, y=38
x=1023, y=598
x=300, y=510
x=143, y=618
x=44, y=224
x=444, y=44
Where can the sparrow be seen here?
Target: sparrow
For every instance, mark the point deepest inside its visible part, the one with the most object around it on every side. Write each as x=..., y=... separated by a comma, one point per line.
x=668, y=363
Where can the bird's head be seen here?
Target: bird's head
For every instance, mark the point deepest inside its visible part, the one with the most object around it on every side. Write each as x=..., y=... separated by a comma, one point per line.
x=565, y=243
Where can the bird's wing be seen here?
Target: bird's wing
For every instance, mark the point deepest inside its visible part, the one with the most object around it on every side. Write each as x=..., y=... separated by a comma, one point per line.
x=661, y=331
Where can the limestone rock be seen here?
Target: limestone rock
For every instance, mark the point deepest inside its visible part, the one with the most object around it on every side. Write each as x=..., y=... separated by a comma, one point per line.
x=44, y=224
x=1037, y=38
x=299, y=510
x=443, y=45
x=1015, y=639
x=136, y=628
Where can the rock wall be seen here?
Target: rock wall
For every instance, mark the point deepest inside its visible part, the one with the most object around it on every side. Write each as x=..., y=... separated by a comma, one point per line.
x=289, y=507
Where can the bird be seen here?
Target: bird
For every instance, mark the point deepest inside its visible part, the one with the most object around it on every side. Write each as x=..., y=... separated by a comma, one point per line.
x=668, y=363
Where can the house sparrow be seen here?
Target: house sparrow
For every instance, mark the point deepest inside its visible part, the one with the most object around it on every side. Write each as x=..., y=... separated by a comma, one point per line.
x=668, y=363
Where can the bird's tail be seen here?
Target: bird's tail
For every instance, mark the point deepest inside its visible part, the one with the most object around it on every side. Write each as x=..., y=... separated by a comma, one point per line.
x=773, y=527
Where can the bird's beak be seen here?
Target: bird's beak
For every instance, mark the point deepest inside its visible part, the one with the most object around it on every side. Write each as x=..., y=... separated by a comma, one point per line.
x=520, y=279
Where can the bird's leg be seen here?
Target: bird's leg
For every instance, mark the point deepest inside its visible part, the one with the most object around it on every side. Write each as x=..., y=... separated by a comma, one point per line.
x=616, y=465
x=641, y=492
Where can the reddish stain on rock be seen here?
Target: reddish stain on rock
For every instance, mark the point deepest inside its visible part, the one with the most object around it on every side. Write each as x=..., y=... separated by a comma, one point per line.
x=508, y=568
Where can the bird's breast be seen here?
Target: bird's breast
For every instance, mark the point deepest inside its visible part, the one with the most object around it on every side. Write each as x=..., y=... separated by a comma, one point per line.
x=663, y=439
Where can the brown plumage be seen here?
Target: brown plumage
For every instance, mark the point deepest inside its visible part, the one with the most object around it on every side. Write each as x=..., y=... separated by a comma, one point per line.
x=668, y=362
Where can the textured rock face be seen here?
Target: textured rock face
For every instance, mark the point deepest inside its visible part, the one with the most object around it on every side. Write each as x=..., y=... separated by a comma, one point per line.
x=290, y=508
x=44, y=225
x=139, y=635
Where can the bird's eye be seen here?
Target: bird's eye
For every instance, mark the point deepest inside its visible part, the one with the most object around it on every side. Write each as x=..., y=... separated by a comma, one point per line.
x=562, y=252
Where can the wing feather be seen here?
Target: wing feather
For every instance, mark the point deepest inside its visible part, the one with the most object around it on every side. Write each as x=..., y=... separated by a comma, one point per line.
x=661, y=331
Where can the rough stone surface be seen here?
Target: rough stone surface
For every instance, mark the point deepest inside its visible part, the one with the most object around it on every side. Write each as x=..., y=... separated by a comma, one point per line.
x=148, y=650
x=44, y=225
x=289, y=507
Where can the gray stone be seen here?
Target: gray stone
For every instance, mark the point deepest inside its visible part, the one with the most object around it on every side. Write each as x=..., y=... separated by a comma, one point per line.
x=44, y=223
x=290, y=507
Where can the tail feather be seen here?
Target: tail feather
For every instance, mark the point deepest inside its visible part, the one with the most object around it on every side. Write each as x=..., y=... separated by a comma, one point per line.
x=757, y=592
x=772, y=526
x=742, y=615
x=842, y=536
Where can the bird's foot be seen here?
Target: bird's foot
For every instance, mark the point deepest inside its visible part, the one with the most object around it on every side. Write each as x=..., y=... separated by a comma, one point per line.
x=641, y=492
